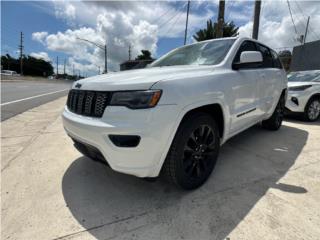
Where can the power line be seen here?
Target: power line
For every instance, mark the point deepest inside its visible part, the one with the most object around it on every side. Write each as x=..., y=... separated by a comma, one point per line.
x=162, y=15
x=295, y=29
x=174, y=23
x=305, y=18
x=172, y=17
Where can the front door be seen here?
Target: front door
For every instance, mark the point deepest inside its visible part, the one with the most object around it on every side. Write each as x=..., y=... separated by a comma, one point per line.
x=244, y=93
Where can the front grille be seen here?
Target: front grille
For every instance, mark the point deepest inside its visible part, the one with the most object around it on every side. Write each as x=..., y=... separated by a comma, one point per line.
x=88, y=103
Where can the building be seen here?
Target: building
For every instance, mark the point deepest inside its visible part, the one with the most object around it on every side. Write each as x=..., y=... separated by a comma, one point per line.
x=134, y=64
x=306, y=57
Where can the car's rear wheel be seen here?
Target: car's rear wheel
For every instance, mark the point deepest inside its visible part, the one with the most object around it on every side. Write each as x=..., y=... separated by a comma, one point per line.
x=312, y=109
x=275, y=121
x=194, y=151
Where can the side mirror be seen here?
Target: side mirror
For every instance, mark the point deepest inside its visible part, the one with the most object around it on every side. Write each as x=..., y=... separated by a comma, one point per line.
x=251, y=57
x=248, y=59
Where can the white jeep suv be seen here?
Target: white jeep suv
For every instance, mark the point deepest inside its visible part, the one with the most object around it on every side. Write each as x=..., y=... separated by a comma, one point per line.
x=173, y=116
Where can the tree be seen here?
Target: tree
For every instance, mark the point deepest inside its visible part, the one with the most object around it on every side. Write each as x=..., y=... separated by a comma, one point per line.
x=31, y=66
x=229, y=30
x=37, y=67
x=9, y=63
x=146, y=55
x=285, y=57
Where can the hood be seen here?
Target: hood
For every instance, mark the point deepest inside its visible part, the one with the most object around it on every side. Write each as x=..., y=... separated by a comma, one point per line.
x=297, y=84
x=140, y=79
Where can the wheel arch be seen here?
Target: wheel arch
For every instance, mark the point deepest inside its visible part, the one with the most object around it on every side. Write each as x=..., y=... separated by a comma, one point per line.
x=315, y=95
x=214, y=110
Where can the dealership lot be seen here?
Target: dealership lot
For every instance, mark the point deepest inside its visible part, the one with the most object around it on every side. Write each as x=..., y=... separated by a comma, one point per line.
x=265, y=186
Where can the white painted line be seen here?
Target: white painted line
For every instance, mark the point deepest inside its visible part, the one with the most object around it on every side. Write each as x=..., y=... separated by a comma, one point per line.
x=28, y=98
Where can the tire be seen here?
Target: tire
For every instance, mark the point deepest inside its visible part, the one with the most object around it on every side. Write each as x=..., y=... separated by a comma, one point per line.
x=312, y=109
x=275, y=121
x=194, y=151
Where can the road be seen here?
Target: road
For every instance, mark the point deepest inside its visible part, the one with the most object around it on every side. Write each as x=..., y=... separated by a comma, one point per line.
x=19, y=96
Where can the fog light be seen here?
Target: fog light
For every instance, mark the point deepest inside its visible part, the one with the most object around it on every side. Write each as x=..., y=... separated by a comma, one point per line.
x=295, y=100
x=125, y=140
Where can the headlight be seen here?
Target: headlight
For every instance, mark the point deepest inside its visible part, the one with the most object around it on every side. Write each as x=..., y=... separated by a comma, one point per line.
x=300, y=88
x=136, y=99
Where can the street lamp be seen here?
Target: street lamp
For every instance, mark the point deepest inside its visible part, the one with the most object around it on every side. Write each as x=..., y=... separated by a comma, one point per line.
x=103, y=47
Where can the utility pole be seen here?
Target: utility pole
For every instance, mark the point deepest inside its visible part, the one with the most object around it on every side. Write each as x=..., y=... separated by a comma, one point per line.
x=21, y=53
x=305, y=35
x=8, y=61
x=129, y=51
x=104, y=48
x=73, y=70
x=64, y=67
x=99, y=70
x=57, y=67
x=220, y=19
x=187, y=19
x=105, y=59
x=256, y=20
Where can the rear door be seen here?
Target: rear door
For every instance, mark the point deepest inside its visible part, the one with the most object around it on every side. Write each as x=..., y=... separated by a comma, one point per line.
x=268, y=81
x=244, y=92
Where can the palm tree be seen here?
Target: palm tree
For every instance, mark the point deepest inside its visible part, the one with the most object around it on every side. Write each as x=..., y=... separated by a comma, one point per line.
x=229, y=30
x=146, y=55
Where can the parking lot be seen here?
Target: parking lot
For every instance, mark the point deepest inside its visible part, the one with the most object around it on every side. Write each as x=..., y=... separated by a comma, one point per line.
x=265, y=186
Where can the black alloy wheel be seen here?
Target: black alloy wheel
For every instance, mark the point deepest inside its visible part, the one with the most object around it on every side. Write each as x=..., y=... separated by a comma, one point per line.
x=198, y=151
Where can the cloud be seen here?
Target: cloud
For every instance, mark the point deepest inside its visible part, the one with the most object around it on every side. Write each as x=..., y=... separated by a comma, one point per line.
x=141, y=24
x=39, y=36
x=41, y=55
x=116, y=28
x=120, y=24
x=65, y=10
x=276, y=27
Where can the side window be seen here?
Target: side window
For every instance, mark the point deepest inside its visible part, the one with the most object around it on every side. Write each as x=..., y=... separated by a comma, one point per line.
x=276, y=60
x=245, y=46
x=266, y=55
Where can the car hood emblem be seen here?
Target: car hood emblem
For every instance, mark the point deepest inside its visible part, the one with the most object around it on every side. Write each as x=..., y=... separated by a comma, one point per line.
x=78, y=85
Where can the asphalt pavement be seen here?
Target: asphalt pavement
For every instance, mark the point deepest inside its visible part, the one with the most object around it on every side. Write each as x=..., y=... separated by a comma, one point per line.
x=19, y=96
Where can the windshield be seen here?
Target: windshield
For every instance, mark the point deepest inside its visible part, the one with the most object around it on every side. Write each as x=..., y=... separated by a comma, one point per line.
x=307, y=76
x=205, y=53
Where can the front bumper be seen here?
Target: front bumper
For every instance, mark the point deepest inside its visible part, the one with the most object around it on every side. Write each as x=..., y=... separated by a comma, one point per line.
x=154, y=126
x=297, y=101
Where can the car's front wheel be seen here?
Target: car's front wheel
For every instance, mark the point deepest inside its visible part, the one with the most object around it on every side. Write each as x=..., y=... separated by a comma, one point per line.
x=194, y=151
x=312, y=109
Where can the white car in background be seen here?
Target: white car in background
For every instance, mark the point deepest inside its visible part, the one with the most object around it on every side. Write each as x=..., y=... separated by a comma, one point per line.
x=304, y=94
x=9, y=73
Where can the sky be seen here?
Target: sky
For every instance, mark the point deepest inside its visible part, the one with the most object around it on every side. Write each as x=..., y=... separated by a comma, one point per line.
x=51, y=28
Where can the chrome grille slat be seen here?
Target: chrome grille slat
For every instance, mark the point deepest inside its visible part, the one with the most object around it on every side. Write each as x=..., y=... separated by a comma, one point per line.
x=88, y=103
